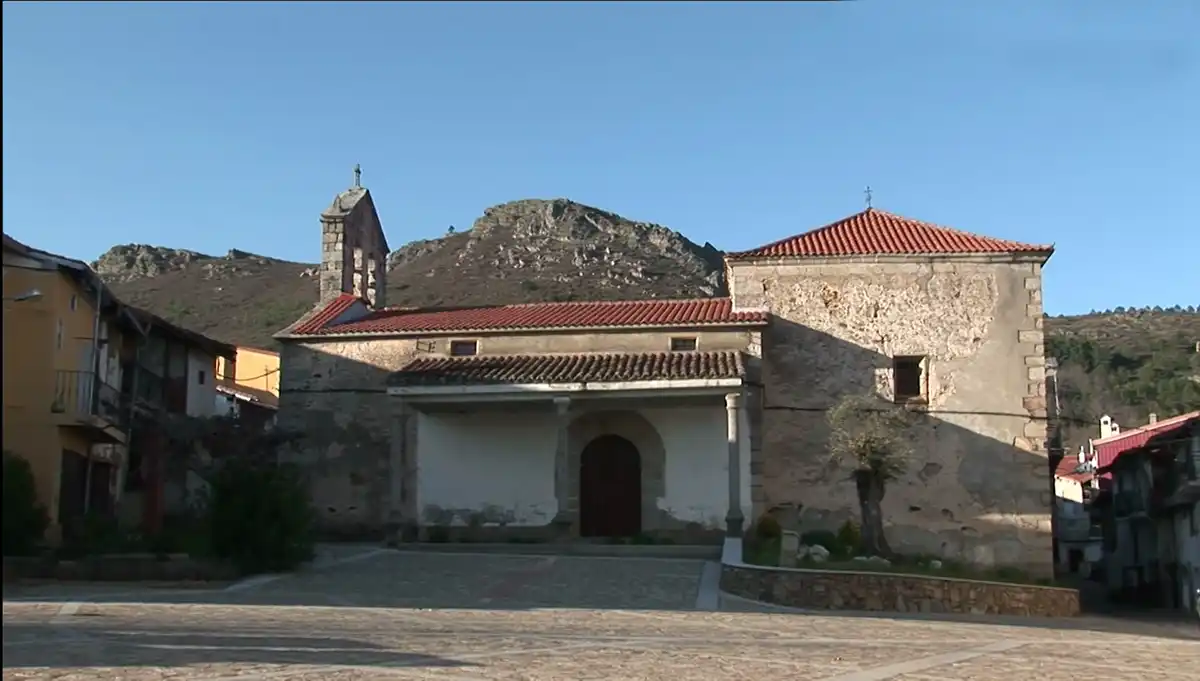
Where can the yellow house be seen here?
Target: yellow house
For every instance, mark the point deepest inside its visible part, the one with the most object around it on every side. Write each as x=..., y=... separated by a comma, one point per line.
x=66, y=338
x=248, y=388
x=256, y=369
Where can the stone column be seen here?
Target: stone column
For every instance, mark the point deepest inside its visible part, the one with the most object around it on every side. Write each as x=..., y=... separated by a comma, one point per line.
x=564, y=520
x=734, y=518
x=399, y=480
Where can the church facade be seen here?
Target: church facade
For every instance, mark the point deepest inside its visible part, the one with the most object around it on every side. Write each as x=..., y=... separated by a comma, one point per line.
x=682, y=420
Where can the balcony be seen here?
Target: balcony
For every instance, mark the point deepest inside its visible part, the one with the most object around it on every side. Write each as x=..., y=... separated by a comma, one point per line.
x=85, y=401
x=155, y=393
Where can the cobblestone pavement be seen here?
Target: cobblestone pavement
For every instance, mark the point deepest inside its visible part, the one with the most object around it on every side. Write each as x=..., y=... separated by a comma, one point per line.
x=386, y=615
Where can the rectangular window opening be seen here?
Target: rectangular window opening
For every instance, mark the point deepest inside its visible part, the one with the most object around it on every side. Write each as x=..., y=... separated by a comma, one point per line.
x=200, y=377
x=909, y=378
x=686, y=344
x=464, y=348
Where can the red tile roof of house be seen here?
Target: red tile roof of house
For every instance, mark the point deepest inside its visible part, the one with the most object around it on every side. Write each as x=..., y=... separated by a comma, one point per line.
x=1066, y=469
x=1110, y=448
x=531, y=316
x=589, y=368
x=877, y=232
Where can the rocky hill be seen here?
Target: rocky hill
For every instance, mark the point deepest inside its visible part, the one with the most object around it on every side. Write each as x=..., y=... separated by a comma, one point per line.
x=1126, y=363
x=531, y=250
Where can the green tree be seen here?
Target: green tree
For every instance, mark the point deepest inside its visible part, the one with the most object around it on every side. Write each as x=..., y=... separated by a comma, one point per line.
x=258, y=513
x=872, y=437
x=25, y=520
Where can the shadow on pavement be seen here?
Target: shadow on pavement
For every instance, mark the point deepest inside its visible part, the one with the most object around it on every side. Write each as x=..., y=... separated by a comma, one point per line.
x=45, y=645
x=515, y=582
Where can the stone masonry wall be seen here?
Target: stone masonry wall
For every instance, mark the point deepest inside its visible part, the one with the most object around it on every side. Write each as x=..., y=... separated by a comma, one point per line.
x=334, y=394
x=879, y=592
x=978, y=486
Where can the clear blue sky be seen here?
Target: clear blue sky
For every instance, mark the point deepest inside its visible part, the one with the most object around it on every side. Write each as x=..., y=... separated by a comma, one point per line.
x=231, y=125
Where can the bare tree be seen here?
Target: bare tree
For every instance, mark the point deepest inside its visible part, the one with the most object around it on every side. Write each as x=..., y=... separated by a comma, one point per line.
x=871, y=436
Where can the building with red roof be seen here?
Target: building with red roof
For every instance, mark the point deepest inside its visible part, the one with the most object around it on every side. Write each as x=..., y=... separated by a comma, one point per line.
x=683, y=419
x=1151, y=512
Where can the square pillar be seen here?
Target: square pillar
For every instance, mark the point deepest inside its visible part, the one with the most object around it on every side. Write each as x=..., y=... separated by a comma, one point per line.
x=734, y=518
x=401, y=477
x=564, y=520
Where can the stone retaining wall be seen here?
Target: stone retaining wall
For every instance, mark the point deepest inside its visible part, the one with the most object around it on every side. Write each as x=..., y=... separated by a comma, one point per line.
x=129, y=567
x=890, y=592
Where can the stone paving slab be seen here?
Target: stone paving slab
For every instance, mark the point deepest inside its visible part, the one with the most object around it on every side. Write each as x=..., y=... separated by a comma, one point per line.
x=530, y=618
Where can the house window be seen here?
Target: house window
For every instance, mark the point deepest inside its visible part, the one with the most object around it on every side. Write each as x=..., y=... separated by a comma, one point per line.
x=74, y=302
x=464, y=348
x=683, y=344
x=909, y=378
x=58, y=334
x=200, y=377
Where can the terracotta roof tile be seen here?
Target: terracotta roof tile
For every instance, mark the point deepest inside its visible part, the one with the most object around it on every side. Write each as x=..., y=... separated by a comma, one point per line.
x=525, y=369
x=534, y=316
x=1110, y=448
x=1067, y=469
x=877, y=232
x=317, y=320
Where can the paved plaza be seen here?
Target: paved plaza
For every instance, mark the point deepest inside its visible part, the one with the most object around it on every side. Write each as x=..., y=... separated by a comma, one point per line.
x=366, y=613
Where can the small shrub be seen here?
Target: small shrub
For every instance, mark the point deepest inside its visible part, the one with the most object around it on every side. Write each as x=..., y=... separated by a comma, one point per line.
x=96, y=534
x=25, y=520
x=767, y=527
x=849, y=538
x=260, y=517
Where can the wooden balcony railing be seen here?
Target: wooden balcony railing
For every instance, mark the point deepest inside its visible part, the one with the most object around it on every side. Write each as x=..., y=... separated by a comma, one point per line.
x=83, y=396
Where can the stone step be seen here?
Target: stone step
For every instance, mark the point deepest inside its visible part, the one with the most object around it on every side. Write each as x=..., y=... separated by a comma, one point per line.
x=681, y=551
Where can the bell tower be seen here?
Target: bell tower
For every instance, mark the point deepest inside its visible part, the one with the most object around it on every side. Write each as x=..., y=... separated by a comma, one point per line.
x=353, y=248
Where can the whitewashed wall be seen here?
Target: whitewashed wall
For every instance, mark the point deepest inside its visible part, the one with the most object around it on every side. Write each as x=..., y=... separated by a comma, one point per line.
x=201, y=398
x=697, y=475
x=502, y=466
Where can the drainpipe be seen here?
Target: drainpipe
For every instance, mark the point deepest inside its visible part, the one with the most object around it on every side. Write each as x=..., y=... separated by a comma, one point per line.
x=94, y=392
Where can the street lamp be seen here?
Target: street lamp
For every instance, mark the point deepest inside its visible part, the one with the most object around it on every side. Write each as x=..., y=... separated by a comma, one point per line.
x=31, y=294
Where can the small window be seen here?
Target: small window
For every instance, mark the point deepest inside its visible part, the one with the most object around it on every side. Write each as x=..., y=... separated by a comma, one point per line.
x=683, y=344
x=464, y=348
x=58, y=334
x=201, y=377
x=908, y=378
x=74, y=302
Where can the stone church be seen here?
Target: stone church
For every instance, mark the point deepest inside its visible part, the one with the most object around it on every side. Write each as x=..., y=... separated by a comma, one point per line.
x=682, y=419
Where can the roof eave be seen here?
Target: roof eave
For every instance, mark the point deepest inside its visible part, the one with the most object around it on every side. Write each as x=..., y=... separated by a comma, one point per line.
x=501, y=331
x=1039, y=256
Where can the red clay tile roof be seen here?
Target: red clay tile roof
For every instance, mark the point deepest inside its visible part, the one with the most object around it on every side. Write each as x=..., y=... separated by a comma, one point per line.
x=1066, y=469
x=1113, y=446
x=327, y=314
x=526, y=369
x=533, y=316
x=877, y=232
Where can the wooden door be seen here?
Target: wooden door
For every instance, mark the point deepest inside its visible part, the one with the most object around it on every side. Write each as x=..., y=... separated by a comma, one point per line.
x=610, y=488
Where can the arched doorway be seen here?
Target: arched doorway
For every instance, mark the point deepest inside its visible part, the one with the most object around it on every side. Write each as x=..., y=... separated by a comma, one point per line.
x=610, y=488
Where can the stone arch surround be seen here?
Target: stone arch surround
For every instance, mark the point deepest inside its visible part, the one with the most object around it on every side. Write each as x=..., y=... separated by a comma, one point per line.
x=634, y=427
